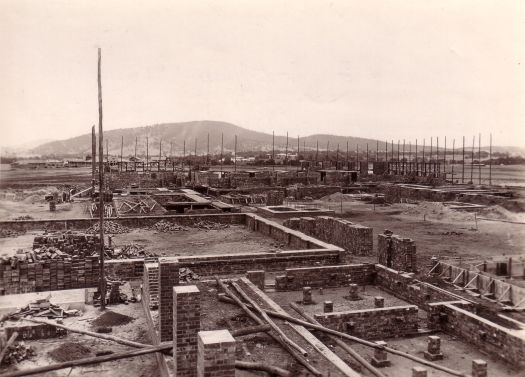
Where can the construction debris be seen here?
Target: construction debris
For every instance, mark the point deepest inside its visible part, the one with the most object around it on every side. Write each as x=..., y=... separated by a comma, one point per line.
x=110, y=227
x=17, y=353
x=165, y=226
x=186, y=275
x=8, y=233
x=208, y=225
x=43, y=308
x=130, y=251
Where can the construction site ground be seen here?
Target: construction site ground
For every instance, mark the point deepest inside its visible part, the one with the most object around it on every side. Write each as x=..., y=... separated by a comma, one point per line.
x=194, y=241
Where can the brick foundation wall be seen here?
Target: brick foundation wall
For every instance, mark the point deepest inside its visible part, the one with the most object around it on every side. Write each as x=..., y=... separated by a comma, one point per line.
x=380, y=323
x=406, y=287
x=396, y=252
x=151, y=179
x=354, y=238
x=326, y=276
x=34, y=331
x=485, y=335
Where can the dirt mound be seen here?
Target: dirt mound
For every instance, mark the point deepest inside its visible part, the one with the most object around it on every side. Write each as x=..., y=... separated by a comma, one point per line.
x=69, y=351
x=110, y=318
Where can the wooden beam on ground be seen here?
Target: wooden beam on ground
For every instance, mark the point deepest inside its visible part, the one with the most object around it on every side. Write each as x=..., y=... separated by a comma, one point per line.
x=87, y=361
x=269, y=320
x=8, y=344
x=300, y=358
x=251, y=330
x=361, y=360
x=357, y=340
x=93, y=334
x=271, y=370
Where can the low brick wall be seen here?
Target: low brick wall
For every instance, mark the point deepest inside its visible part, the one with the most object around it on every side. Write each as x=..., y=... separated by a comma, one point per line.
x=487, y=336
x=354, y=238
x=209, y=265
x=396, y=252
x=325, y=276
x=380, y=323
x=131, y=222
x=406, y=287
x=150, y=284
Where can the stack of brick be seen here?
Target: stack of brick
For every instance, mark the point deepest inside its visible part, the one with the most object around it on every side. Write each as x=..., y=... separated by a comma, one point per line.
x=72, y=243
x=151, y=284
x=396, y=252
x=354, y=238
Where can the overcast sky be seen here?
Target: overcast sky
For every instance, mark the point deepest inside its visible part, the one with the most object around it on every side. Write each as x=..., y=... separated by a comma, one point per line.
x=378, y=69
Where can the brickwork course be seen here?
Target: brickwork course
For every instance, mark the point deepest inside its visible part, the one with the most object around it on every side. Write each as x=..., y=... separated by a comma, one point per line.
x=168, y=278
x=150, y=283
x=354, y=238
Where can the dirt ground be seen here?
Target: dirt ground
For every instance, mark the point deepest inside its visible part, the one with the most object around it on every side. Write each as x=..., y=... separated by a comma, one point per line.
x=231, y=240
x=143, y=366
x=437, y=230
x=40, y=177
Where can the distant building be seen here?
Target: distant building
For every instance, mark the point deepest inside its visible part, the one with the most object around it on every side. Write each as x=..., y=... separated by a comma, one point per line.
x=37, y=164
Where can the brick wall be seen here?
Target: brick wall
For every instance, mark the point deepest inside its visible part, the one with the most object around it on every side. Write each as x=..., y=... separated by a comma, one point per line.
x=216, y=354
x=354, y=238
x=326, y=276
x=406, y=287
x=379, y=323
x=485, y=335
x=396, y=252
x=168, y=278
x=144, y=180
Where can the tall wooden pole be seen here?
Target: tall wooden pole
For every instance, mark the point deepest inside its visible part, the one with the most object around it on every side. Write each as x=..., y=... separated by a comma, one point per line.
x=377, y=151
x=463, y=163
x=222, y=149
x=337, y=156
x=235, y=150
x=437, y=153
x=135, y=160
x=327, y=149
x=367, y=158
x=479, y=159
x=121, y=151
x=286, y=151
x=417, y=166
x=208, y=150
x=160, y=154
x=347, y=156
x=93, y=159
x=316, y=152
x=445, y=159
x=102, y=278
x=273, y=150
x=183, y=156
x=424, y=164
x=147, y=153
x=472, y=160
x=490, y=160
x=403, y=158
x=453, y=157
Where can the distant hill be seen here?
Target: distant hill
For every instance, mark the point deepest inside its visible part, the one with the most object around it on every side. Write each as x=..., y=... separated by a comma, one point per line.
x=176, y=133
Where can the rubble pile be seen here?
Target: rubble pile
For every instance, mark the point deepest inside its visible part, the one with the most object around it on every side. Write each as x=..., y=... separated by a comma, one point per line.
x=208, y=225
x=17, y=353
x=165, y=227
x=187, y=276
x=109, y=227
x=43, y=308
x=130, y=251
x=7, y=233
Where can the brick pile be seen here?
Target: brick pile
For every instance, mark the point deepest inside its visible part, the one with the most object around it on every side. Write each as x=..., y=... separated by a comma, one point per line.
x=71, y=243
x=380, y=323
x=274, y=198
x=396, y=252
x=354, y=238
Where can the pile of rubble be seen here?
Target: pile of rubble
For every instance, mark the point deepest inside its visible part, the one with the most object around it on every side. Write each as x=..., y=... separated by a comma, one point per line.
x=165, y=227
x=208, y=225
x=17, y=353
x=7, y=233
x=130, y=251
x=70, y=243
x=187, y=276
x=43, y=308
x=109, y=227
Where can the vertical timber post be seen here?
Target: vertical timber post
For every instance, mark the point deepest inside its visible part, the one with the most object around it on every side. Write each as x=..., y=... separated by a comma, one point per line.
x=102, y=278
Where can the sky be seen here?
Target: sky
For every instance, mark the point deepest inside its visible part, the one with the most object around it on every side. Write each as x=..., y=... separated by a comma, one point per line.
x=406, y=69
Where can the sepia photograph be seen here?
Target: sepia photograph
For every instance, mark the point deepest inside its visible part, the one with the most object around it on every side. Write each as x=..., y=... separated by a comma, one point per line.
x=301, y=188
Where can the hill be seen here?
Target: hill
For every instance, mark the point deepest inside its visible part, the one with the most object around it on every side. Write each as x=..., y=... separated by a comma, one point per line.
x=177, y=133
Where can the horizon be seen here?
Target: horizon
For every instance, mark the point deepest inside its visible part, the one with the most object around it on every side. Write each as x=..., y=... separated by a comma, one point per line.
x=368, y=70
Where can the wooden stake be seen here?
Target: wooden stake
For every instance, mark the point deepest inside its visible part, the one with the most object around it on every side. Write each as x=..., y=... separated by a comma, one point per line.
x=102, y=278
